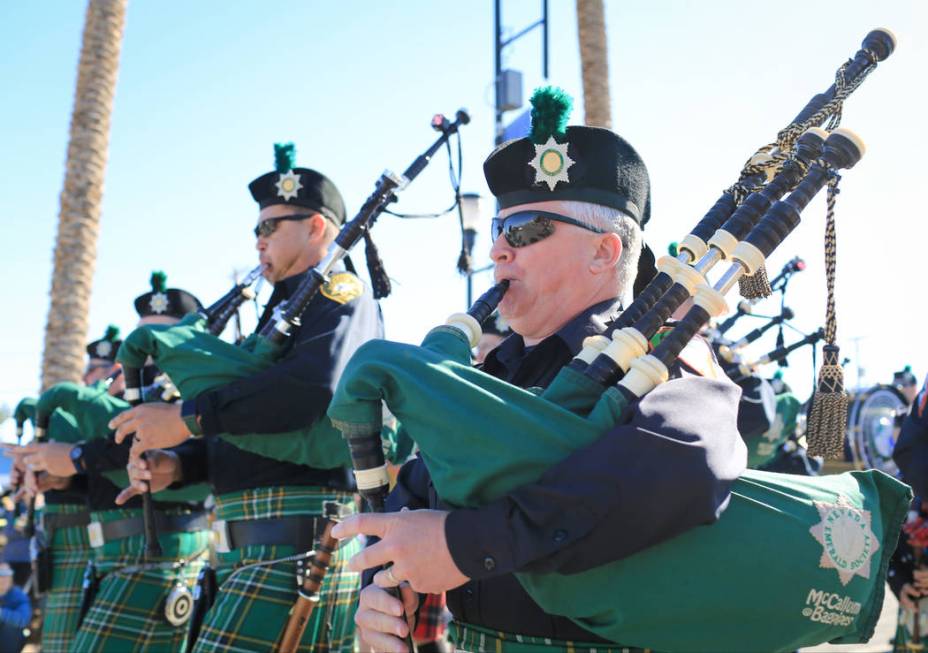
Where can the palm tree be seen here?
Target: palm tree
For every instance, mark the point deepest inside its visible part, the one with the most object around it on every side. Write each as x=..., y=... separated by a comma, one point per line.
x=81, y=197
x=594, y=63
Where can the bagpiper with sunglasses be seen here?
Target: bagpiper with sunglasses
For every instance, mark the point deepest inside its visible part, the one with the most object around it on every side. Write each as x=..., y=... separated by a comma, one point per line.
x=269, y=508
x=568, y=238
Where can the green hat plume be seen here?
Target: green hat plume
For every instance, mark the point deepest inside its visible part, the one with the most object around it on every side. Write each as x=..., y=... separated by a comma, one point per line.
x=159, y=281
x=284, y=157
x=551, y=108
x=112, y=333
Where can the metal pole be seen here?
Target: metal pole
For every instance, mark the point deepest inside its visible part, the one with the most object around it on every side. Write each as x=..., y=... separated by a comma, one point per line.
x=544, y=38
x=498, y=135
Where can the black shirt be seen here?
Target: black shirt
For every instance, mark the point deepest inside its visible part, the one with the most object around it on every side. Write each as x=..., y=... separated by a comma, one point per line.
x=588, y=509
x=292, y=394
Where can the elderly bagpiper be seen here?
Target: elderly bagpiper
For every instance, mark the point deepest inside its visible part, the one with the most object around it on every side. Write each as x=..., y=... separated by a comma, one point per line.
x=568, y=240
x=270, y=502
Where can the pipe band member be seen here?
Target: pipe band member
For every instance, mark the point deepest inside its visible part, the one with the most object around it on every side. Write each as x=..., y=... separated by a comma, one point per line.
x=568, y=238
x=272, y=479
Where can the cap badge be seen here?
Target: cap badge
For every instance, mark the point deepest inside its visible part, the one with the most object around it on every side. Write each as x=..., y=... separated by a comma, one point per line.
x=158, y=303
x=104, y=349
x=551, y=163
x=288, y=185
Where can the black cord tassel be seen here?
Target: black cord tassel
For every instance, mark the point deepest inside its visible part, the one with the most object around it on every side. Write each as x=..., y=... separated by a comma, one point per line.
x=380, y=282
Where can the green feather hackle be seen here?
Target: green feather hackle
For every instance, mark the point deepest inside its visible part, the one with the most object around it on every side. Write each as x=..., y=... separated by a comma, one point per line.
x=673, y=249
x=907, y=368
x=778, y=374
x=284, y=157
x=551, y=108
x=159, y=281
x=112, y=333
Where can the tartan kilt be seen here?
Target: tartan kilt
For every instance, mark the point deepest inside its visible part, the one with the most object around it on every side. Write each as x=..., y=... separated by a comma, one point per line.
x=70, y=551
x=252, y=605
x=127, y=614
x=474, y=639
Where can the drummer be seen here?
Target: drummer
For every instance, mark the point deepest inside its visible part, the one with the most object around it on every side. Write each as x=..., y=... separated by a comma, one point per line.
x=568, y=238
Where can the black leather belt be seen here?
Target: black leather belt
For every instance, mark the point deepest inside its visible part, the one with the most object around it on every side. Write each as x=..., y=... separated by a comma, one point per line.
x=164, y=523
x=299, y=532
x=52, y=522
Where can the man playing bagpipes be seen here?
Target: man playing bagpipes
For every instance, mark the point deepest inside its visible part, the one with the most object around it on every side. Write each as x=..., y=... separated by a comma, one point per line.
x=911, y=450
x=269, y=508
x=568, y=238
x=127, y=599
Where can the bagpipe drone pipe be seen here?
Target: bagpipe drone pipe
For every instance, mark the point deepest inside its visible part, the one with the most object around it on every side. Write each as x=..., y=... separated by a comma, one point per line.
x=724, y=587
x=196, y=360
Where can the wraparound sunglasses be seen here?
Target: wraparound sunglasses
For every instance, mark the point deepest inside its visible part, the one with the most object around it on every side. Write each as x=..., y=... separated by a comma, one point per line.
x=528, y=227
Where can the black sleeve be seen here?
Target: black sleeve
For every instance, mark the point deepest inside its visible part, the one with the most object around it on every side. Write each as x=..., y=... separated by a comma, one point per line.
x=911, y=452
x=103, y=454
x=295, y=392
x=666, y=471
x=901, y=566
x=193, y=458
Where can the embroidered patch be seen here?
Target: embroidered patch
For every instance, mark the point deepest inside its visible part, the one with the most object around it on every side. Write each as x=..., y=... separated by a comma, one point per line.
x=551, y=163
x=847, y=540
x=288, y=185
x=343, y=287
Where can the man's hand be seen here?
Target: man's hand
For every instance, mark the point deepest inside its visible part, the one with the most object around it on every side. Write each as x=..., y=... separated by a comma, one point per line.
x=413, y=540
x=920, y=581
x=51, y=457
x=161, y=469
x=381, y=626
x=908, y=595
x=155, y=425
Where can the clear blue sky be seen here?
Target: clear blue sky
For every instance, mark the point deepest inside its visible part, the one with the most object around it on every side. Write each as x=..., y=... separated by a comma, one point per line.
x=205, y=88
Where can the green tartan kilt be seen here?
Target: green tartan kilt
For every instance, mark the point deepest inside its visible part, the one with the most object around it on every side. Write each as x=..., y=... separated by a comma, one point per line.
x=70, y=551
x=474, y=639
x=127, y=614
x=252, y=604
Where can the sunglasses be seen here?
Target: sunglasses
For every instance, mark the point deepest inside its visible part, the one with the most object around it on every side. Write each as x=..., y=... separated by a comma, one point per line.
x=266, y=227
x=528, y=227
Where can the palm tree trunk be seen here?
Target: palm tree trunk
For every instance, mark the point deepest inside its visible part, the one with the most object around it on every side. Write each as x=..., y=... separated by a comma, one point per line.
x=79, y=217
x=594, y=62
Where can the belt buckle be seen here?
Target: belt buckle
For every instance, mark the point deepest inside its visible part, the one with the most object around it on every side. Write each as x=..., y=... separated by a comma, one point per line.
x=95, y=533
x=221, y=536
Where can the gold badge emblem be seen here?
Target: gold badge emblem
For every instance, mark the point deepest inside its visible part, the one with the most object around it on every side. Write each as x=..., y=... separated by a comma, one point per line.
x=343, y=287
x=288, y=185
x=551, y=163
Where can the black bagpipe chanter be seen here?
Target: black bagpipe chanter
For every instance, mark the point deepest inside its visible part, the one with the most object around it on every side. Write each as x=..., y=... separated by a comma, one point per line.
x=792, y=561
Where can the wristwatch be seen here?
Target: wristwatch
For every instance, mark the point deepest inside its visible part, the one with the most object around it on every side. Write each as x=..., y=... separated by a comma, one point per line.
x=188, y=413
x=77, y=458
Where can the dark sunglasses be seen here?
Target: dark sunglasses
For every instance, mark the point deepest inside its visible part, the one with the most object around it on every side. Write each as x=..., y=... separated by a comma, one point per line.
x=528, y=227
x=266, y=227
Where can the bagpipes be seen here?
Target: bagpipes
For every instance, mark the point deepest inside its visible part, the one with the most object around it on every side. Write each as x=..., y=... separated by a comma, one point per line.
x=481, y=438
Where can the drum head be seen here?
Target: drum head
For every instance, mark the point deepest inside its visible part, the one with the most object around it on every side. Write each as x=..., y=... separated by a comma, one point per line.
x=871, y=428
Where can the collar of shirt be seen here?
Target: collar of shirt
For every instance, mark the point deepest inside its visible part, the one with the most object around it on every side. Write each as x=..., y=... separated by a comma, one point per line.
x=511, y=354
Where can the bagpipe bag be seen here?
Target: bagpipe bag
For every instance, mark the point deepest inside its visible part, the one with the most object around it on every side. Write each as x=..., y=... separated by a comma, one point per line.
x=61, y=424
x=83, y=412
x=197, y=361
x=792, y=561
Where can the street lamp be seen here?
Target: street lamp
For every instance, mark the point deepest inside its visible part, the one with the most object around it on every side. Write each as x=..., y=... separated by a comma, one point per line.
x=471, y=211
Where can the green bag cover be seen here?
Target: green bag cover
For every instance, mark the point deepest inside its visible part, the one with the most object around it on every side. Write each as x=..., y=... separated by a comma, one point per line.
x=25, y=411
x=83, y=412
x=792, y=562
x=763, y=448
x=197, y=361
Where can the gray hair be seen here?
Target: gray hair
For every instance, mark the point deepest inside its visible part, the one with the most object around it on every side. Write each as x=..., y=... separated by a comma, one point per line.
x=613, y=221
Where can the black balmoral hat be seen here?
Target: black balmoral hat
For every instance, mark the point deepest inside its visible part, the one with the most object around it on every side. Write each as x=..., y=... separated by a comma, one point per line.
x=297, y=187
x=169, y=302
x=556, y=162
x=105, y=348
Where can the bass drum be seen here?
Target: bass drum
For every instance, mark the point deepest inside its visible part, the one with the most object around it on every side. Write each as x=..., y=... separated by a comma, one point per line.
x=873, y=420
